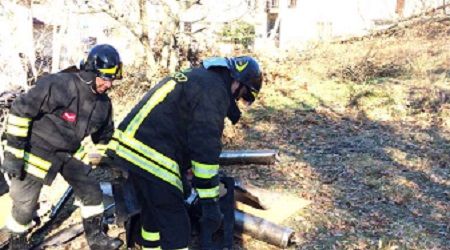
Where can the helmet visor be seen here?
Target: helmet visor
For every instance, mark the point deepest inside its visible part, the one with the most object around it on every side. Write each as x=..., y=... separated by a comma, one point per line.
x=114, y=73
x=253, y=87
x=250, y=95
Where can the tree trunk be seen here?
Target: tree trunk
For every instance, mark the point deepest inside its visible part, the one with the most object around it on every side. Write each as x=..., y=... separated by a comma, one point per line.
x=29, y=50
x=174, y=49
x=12, y=71
x=444, y=10
x=170, y=36
x=274, y=31
x=149, y=58
x=58, y=33
x=26, y=52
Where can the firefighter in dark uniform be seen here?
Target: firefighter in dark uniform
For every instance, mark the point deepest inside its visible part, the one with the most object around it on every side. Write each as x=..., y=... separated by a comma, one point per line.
x=44, y=131
x=178, y=125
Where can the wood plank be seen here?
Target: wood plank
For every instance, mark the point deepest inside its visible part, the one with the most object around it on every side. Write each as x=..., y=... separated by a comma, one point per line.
x=283, y=206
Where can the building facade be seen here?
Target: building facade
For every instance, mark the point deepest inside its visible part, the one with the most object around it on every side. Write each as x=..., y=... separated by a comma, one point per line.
x=296, y=22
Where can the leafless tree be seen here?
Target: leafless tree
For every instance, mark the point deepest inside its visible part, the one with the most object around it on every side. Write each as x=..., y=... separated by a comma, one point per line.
x=16, y=44
x=167, y=39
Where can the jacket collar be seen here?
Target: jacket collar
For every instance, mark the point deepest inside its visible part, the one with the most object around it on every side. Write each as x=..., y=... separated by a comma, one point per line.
x=233, y=113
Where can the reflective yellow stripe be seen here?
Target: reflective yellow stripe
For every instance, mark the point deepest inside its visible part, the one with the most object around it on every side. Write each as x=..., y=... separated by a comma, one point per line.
x=39, y=162
x=147, y=165
x=15, y=226
x=109, y=71
x=208, y=193
x=89, y=211
x=147, y=151
x=35, y=171
x=156, y=98
x=204, y=171
x=150, y=236
x=254, y=93
x=112, y=145
x=36, y=165
x=19, y=153
x=101, y=148
x=152, y=248
x=80, y=154
x=16, y=131
x=18, y=121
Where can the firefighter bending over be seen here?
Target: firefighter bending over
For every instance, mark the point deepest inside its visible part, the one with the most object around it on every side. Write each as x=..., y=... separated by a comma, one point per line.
x=178, y=125
x=44, y=132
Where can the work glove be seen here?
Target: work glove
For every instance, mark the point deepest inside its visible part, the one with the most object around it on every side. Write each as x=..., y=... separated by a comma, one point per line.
x=106, y=162
x=107, y=171
x=212, y=217
x=12, y=166
x=102, y=174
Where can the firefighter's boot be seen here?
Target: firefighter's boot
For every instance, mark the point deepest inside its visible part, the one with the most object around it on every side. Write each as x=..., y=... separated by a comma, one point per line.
x=18, y=241
x=95, y=236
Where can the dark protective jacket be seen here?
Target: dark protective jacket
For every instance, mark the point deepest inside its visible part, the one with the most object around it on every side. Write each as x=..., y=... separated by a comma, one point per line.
x=177, y=125
x=51, y=119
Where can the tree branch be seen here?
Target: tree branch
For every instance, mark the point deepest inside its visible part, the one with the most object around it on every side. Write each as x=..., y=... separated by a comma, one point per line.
x=110, y=11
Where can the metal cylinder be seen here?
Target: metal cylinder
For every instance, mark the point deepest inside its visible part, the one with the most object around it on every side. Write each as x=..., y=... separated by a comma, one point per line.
x=243, y=157
x=262, y=229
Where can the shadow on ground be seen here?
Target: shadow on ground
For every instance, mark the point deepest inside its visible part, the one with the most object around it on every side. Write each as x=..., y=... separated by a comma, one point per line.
x=372, y=184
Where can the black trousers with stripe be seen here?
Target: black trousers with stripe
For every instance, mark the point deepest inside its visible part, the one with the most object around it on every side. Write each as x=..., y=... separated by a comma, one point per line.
x=25, y=193
x=162, y=211
x=4, y=188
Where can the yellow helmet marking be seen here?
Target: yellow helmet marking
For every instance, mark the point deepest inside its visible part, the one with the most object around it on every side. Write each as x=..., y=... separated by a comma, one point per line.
x=109, y=71
x=240, y=68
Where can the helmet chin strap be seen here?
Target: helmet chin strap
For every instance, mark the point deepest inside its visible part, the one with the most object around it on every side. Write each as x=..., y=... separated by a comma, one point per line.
x=82, y=79
x=92, y=84
x=94, y=87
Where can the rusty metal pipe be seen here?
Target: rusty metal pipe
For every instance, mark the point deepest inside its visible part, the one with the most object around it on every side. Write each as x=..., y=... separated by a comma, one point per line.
x=262, y=229
x=243, y=157
x=256, y=227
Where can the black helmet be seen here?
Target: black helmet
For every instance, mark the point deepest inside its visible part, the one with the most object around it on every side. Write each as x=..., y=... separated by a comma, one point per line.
x=246, y=70
x=103, y=60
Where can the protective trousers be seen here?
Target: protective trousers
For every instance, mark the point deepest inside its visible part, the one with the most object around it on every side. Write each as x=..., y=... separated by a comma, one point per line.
x=164, y=217
x=25, y=194
x=4, y=188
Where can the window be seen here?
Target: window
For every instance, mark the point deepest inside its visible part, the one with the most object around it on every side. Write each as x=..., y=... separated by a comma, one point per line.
x=274, y=3
x=292, y=4
x=324, y=30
